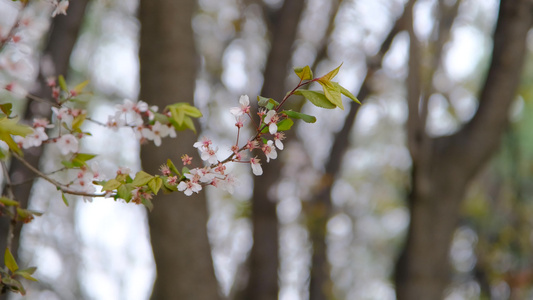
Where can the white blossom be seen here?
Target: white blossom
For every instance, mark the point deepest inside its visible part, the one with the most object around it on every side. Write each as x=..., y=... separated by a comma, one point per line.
x=270, y=151
x=67, y=143
x=243, y=109
x=271, y=119
x=188, y=187
x=35, y=139
x=157, y=132
x=256, y=166
x=64, y=115
x=228, y=183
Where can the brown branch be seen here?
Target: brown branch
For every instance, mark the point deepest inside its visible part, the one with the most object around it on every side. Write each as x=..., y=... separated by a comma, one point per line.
x=56, y=183
x=476, y=142
x=322, y=49
x=42, y=100
x=415, y=132
x=441, y=33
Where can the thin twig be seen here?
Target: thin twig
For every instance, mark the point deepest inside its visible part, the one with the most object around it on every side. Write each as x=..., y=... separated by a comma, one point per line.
x=13, y=213
x=59, y=185
x=259, y=131
x=42, y=100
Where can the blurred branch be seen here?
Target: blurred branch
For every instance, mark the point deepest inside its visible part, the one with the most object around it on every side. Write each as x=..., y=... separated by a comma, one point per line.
x=415, y=131
x=441, y=35
x=443, y=167
x=478, y=140
x=264, y=257
x=319, y=209
x=322, y=49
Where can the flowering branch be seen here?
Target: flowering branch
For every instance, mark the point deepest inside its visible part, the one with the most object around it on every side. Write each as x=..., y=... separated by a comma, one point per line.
x=57, y=184
x=5, y=40
x=148, y=125
x=272, y=120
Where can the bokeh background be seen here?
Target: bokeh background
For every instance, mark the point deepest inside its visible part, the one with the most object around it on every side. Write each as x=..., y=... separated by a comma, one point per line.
x=330, y=217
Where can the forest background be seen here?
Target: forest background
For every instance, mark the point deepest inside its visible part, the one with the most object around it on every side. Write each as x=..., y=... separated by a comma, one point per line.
x=423, y=192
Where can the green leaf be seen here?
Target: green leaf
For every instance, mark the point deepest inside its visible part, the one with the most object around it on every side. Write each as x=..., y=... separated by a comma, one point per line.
x=79, y=160
x=148, y=203
x=161, y=118
x=84, y=156
x=29, y=270
x=62, y=83
x=10, y=142
x=169, y=188
x=177, y=115
x=185, y=170
x=267, y=102
x=347, y=93
x=35, y=213
x=111, y=185
x=78, y=120
x=11, y=126
x=6, y=108
x=304, y=73
x=191, y=111
x=64, y=199
x=332, y=92
x=155, y=184
x=285, y=125
x=331, y=74
x=189, y=124
x=173, y=168
x=124, y=192
x=26, y=273
x=9, y=261
x=26, y=215
x=14, y=285
x=179, y=111
x=141, y=179
x=297, y=115
x=317, y=98
x=79, y=88
x=69, y=164
x=8, y=202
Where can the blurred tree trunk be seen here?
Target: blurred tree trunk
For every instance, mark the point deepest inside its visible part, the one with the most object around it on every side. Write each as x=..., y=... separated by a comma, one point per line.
x=178, y=229
x=442, y=167
x=264, y=256
x=320, y=208
x=56, y=57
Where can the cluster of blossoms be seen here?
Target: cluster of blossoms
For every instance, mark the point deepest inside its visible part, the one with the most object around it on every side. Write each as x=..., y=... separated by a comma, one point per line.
x=135, y=115
x=66, y=143
x=214, y=173
x=140, y=117
x=85, y=177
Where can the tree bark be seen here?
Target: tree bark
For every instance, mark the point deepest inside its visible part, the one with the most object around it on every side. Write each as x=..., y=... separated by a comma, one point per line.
x=264, y=256
x=442, y=167
x=178, y=229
